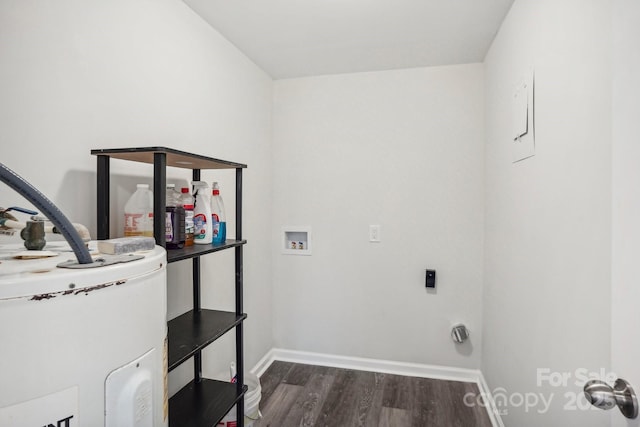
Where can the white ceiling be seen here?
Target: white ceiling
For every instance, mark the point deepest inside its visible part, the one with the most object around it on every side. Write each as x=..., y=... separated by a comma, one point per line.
x=294, y=38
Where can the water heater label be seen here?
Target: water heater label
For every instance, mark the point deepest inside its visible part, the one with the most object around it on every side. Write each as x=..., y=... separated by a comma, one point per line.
x=53, y=410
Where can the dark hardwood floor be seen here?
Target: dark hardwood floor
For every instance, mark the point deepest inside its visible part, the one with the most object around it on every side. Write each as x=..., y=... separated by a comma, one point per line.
x=305, y=395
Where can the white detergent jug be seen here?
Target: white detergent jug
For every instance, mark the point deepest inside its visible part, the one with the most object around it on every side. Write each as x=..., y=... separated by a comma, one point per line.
x=138, y=213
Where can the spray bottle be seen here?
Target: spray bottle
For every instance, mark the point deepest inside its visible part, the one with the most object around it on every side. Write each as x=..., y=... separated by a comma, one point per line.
x=203, y=232
x=218, y=217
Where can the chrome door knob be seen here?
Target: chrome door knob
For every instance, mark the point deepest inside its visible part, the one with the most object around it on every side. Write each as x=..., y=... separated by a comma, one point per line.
x=459, y=333
x=603, y=396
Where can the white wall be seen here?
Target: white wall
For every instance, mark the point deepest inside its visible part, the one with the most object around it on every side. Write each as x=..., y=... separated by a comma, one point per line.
x=403, y=149
x=626, y=203
x=548, y=218
x=78, y=74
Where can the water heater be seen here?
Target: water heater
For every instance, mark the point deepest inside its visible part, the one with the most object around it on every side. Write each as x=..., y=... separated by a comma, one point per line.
x=82, y=347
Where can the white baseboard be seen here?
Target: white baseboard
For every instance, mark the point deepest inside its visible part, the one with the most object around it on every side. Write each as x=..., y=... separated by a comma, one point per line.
x=376, y=365
x=490, y=404
x=386, y=367
x=264, y=363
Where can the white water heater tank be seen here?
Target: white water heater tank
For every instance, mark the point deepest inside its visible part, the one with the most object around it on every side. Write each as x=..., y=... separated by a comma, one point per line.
x=82, y=347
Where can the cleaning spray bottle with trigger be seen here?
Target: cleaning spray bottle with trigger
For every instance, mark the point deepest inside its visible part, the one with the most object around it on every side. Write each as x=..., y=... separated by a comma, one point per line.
x=203, y=232
x=218, y=217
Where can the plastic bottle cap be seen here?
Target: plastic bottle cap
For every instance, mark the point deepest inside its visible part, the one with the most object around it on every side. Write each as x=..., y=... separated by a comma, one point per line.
x=184, y=190
x=171, y=186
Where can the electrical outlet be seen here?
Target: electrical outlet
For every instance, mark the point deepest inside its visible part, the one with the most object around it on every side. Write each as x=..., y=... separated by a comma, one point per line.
x=374, y=233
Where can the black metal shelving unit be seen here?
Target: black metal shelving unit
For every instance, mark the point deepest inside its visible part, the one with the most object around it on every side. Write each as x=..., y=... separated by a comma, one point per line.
x=202, y=402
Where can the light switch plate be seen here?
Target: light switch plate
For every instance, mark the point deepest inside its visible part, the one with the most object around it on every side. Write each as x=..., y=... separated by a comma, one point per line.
x=374, y=233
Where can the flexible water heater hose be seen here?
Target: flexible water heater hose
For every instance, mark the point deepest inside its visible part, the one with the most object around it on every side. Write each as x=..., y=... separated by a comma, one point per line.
x=48, y=209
